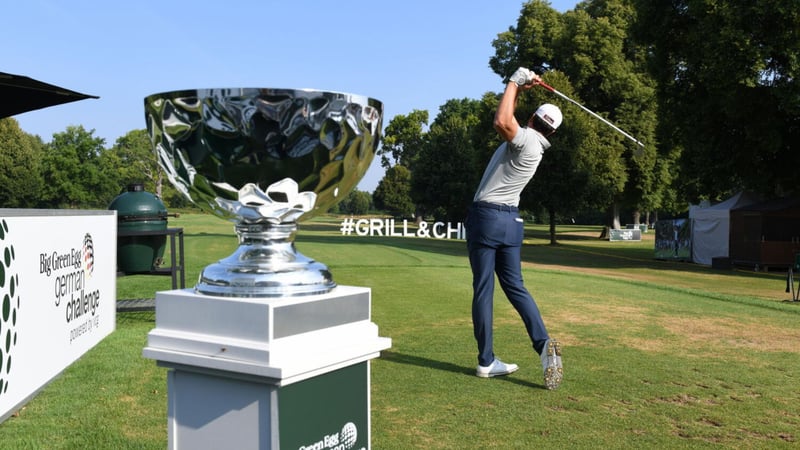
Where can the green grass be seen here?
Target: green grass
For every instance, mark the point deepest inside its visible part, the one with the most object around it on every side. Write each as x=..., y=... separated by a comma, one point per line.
x=657, y=354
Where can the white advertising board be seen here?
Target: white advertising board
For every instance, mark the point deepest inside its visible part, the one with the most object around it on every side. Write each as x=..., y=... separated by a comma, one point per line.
x=625, y=235
x=57, y=294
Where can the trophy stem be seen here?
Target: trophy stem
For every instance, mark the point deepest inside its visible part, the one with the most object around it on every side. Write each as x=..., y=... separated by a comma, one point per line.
x=266, y=264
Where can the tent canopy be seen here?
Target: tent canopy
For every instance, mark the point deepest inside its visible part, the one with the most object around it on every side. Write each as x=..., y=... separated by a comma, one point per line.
x=711, y=227
x=19, y=94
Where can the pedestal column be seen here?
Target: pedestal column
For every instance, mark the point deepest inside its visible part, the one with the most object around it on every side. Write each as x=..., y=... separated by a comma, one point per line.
x=267, y=373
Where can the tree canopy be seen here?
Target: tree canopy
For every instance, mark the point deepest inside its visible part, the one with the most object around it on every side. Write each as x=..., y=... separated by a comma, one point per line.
x=710, y=87
x=727, y=86
x=20, y=166
x=403, y=138
x=356, y=203
x=605, y=71
x=78, y=173
x=136, y=161
x=74, y=169
x=445, y=177
x=392, y=193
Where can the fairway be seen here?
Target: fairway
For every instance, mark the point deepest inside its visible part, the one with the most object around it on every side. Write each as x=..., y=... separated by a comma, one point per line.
x=656, y=354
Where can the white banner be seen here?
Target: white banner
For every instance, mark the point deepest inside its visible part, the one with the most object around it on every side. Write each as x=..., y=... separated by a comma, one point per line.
x=57, y=294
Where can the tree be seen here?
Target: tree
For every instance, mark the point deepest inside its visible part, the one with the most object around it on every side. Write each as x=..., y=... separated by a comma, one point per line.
x=356, y=203
x=728, y=91
x=20, y=166
x=392, y=193
x=403, y=139
x=77, y=174
x=619, y=83
x=606, y=73
x=575, y=173
x=447, y=174
x=530, y=43
x=137, y=161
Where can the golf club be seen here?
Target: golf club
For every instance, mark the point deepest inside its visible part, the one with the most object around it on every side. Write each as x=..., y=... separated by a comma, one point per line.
x=553, y=90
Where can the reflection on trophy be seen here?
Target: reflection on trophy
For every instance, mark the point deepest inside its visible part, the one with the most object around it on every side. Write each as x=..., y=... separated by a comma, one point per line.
x=265, y=159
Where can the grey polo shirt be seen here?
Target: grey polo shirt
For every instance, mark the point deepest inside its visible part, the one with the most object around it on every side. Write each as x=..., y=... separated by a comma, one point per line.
x=511, y=168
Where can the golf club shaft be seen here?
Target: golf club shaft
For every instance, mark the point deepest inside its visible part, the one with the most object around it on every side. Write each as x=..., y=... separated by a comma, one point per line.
x=553, y=90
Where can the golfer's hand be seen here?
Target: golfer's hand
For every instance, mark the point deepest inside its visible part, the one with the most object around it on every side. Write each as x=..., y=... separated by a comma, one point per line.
x=524, y=77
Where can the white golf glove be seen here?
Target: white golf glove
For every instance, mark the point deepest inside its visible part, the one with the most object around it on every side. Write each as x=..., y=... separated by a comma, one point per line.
x=522, y=76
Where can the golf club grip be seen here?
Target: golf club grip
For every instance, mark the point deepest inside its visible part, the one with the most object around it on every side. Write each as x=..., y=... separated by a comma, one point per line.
x=546, y=86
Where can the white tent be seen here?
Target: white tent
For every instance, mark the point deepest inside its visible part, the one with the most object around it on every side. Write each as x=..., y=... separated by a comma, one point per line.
x=711, y=227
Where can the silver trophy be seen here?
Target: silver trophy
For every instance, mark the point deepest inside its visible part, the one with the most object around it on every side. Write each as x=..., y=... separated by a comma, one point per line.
x=265, y=159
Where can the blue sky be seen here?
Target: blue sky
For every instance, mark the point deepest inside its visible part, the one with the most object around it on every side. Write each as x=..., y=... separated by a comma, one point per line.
x=409, y=54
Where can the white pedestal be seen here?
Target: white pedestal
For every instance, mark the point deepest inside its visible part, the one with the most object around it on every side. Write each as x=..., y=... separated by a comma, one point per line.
x=266, y=373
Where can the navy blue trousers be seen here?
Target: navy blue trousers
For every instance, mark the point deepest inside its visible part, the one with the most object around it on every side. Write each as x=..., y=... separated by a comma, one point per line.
x=494, y=240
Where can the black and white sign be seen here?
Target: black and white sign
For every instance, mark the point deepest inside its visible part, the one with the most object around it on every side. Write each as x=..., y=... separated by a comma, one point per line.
x=57, y=294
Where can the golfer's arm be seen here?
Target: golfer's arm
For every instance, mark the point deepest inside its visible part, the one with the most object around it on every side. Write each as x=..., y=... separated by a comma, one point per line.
x=504, y=121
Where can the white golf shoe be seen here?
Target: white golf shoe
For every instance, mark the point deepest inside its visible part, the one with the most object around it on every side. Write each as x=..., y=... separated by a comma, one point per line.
x=496, y=368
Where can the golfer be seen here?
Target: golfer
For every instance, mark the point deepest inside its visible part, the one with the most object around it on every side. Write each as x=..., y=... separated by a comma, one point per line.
x=495, y=230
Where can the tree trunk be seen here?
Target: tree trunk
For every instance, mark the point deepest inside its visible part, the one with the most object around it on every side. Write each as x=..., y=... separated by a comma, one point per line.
x=552, y=213
x=615, y=223
x=159, y=181
x=637, y=215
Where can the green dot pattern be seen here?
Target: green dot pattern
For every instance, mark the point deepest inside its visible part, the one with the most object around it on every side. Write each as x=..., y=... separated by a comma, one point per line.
x=9, y=292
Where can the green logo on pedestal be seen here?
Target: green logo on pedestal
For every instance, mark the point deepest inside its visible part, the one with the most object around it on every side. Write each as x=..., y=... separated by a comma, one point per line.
x=327, y=412
x=349, y=435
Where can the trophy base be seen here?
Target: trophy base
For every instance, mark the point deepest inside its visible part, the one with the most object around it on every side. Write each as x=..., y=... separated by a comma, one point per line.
x=265, y=264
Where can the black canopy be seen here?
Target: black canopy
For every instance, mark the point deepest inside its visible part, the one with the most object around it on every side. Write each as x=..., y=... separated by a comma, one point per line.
x=19, y=94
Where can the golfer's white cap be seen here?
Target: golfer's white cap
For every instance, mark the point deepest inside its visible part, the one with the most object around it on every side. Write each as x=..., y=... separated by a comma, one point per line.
x=550, y=114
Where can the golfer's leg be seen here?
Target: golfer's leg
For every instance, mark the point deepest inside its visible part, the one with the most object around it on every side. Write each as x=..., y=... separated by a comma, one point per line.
x=482, y=261
x=509, y=275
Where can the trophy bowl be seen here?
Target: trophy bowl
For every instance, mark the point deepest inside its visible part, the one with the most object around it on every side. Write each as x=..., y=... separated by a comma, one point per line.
x=265, y=159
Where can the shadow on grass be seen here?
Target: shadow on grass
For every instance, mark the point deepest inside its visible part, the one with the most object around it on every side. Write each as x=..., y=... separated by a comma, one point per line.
x=204, y=234
x=579, y=252
x=131, y=317
x=330, y=233
x=402, y=358
x=580, y=248
x=575, y=234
